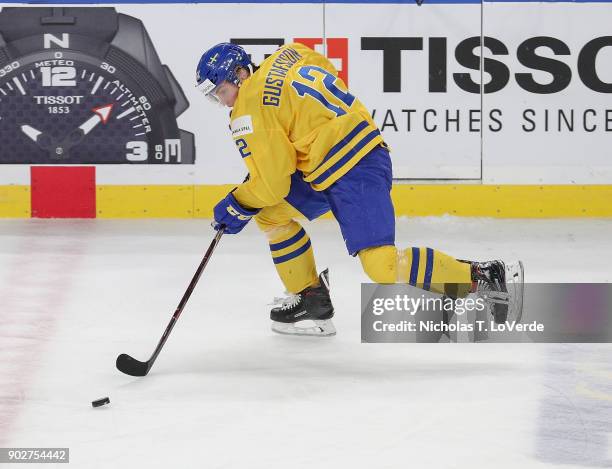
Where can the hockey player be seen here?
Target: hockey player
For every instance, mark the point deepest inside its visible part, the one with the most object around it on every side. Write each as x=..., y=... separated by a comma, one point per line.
x=310, y=146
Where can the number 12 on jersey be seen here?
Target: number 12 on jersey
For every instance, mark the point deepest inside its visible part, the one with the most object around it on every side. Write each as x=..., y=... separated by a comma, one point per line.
x=314, y=75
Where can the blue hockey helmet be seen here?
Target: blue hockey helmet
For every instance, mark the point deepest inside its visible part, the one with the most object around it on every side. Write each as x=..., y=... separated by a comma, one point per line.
x=220, y=63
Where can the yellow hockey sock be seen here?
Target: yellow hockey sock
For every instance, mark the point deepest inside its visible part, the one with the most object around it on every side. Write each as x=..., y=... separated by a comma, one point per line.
x=293, y=257
x=424, y=268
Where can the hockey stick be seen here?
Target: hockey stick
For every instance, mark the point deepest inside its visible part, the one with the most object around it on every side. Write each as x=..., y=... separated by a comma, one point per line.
x=131, y=366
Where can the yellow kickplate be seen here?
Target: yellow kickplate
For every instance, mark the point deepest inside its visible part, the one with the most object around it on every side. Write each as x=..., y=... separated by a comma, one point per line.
x=15, y=202
x=474, y=200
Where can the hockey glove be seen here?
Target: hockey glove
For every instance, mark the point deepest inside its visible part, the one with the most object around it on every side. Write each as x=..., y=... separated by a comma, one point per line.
x=231, y=215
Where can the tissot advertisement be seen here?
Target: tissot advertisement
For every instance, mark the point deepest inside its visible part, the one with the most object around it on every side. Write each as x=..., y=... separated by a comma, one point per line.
x=85, y=85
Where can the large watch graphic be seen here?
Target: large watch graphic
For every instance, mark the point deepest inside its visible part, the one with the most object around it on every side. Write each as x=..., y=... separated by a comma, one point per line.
x=85, y=85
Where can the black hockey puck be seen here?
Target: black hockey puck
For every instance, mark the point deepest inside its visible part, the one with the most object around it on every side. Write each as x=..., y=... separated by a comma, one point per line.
x=100, y=402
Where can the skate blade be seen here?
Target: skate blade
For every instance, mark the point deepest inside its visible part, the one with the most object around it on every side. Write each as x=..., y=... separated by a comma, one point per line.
x=515, y=283
x=321, y=328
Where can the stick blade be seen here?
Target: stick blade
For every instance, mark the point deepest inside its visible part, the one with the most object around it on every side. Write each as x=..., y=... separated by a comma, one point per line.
x=131, y=366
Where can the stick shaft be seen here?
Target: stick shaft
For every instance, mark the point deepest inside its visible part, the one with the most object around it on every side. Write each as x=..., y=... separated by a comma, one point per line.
x=186, y=295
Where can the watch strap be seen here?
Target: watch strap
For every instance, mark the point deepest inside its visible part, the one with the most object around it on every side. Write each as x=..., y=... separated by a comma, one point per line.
x=98, y=22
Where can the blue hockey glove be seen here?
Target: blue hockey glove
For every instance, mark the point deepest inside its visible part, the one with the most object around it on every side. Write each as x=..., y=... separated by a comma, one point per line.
x=230, y=214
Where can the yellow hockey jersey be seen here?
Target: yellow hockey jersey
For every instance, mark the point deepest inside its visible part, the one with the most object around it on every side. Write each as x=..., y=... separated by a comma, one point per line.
x=294, y=113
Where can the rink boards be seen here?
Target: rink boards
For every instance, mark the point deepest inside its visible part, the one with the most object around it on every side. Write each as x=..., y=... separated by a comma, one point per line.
x=502, y=201
x=529, y=136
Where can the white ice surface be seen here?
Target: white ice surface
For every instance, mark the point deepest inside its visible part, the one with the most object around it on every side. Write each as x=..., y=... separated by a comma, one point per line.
x=228, y=393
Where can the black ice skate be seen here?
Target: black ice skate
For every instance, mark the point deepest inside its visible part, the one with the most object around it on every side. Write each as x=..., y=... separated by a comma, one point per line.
x=311, y=304
x=501, y=286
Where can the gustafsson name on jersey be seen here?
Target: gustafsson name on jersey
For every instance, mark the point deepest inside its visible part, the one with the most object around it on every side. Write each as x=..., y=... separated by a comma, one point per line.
x=276, y=76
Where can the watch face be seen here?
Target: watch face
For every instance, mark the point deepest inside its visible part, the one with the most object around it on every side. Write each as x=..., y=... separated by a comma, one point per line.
x=68, y=107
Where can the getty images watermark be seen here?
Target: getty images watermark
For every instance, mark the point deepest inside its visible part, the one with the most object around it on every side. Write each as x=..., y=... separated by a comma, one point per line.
x=460, y=306
x=551, y=313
